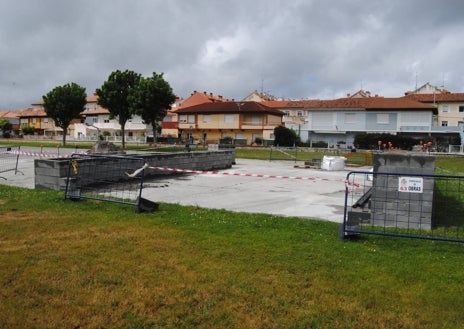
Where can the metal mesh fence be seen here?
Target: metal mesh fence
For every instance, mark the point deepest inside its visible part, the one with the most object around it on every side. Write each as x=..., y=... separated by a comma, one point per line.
x=407, y=205
x=9, y=156
x=106, y=178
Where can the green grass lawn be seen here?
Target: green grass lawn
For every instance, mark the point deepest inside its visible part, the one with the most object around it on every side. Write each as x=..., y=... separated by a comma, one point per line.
x=88, y=264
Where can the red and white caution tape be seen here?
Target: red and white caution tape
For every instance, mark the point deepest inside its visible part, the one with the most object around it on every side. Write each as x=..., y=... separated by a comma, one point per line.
x=226, y=173
x=43, y=155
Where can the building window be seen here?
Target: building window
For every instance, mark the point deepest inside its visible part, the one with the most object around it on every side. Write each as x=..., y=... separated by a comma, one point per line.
x=191, y=118
x=461, y=109
x=383, y=118
x=228, y=118
x=445, y=109
x=206, y=118
x=183, y=118
x=94, y=120
x=286, y=113
x=444, y=123
x=350, y=118
x=45, y=120
x=299, y=114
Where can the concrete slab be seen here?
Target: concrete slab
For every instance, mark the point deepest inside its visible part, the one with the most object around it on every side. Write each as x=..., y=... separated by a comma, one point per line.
x=319, y=195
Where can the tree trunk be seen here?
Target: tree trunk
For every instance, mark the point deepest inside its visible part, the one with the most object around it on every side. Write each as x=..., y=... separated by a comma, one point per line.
x=65, y=132
x=153, y=126
x=123, y=137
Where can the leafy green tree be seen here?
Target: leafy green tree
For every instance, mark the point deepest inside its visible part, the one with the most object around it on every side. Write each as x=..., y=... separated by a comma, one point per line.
x=285, y=137
x=151, y=99
x=63, y=104
x=5, y=127
x=114, y=96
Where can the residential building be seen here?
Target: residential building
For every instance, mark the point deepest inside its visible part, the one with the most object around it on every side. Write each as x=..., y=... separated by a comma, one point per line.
x=427, y=88
x=196, y=98
x=244, y=122
x=13, y=119
x=97, y=123
x=450, y=105
x=170, y=123
x=259, y=97
x=337, y=122
x=361, y=94
x=36, y=118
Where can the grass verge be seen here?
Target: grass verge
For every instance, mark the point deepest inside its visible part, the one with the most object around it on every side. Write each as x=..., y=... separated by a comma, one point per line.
x=93, y=265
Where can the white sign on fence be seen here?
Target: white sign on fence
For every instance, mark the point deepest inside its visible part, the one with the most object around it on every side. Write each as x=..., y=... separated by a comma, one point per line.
x=411, y=184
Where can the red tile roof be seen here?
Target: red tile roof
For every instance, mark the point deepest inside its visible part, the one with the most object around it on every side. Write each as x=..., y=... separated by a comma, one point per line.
x=30, y=112
x=92, y=98
x=9, y=114
x=369, y=103
x=442, y=97
x=201, y=98
x=98, y=110
x=229, y=107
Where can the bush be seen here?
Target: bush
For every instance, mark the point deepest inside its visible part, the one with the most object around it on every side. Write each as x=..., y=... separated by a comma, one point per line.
x=370, y=141
x=285, y=137
x=226, y=140
x=258, y=140
x=27, y=130
x=320, y=144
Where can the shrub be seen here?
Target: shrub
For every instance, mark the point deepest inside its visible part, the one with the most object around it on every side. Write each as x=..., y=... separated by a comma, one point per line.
x=27, y=130
x=285, y=137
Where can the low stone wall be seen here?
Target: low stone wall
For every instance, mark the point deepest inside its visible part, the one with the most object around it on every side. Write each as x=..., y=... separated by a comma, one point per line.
x=52, y=173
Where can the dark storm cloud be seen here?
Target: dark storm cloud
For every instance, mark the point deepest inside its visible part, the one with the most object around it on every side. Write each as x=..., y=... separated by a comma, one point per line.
x=291, y=49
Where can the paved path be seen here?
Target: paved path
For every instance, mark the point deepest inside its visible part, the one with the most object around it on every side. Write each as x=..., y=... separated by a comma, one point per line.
x=320, y=194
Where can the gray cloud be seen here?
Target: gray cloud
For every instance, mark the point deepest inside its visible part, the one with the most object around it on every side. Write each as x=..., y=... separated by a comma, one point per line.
x=291, y=49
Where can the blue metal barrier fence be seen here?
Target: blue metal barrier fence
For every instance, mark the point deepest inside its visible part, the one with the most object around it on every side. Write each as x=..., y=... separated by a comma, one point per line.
x=404, y=205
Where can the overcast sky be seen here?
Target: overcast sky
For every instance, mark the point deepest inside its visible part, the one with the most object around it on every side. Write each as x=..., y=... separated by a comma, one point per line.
x=292, y=49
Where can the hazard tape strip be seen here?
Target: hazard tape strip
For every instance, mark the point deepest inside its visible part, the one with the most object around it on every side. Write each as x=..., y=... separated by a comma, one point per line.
x=43, y=155
x=226, y=173
x=193, y=171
